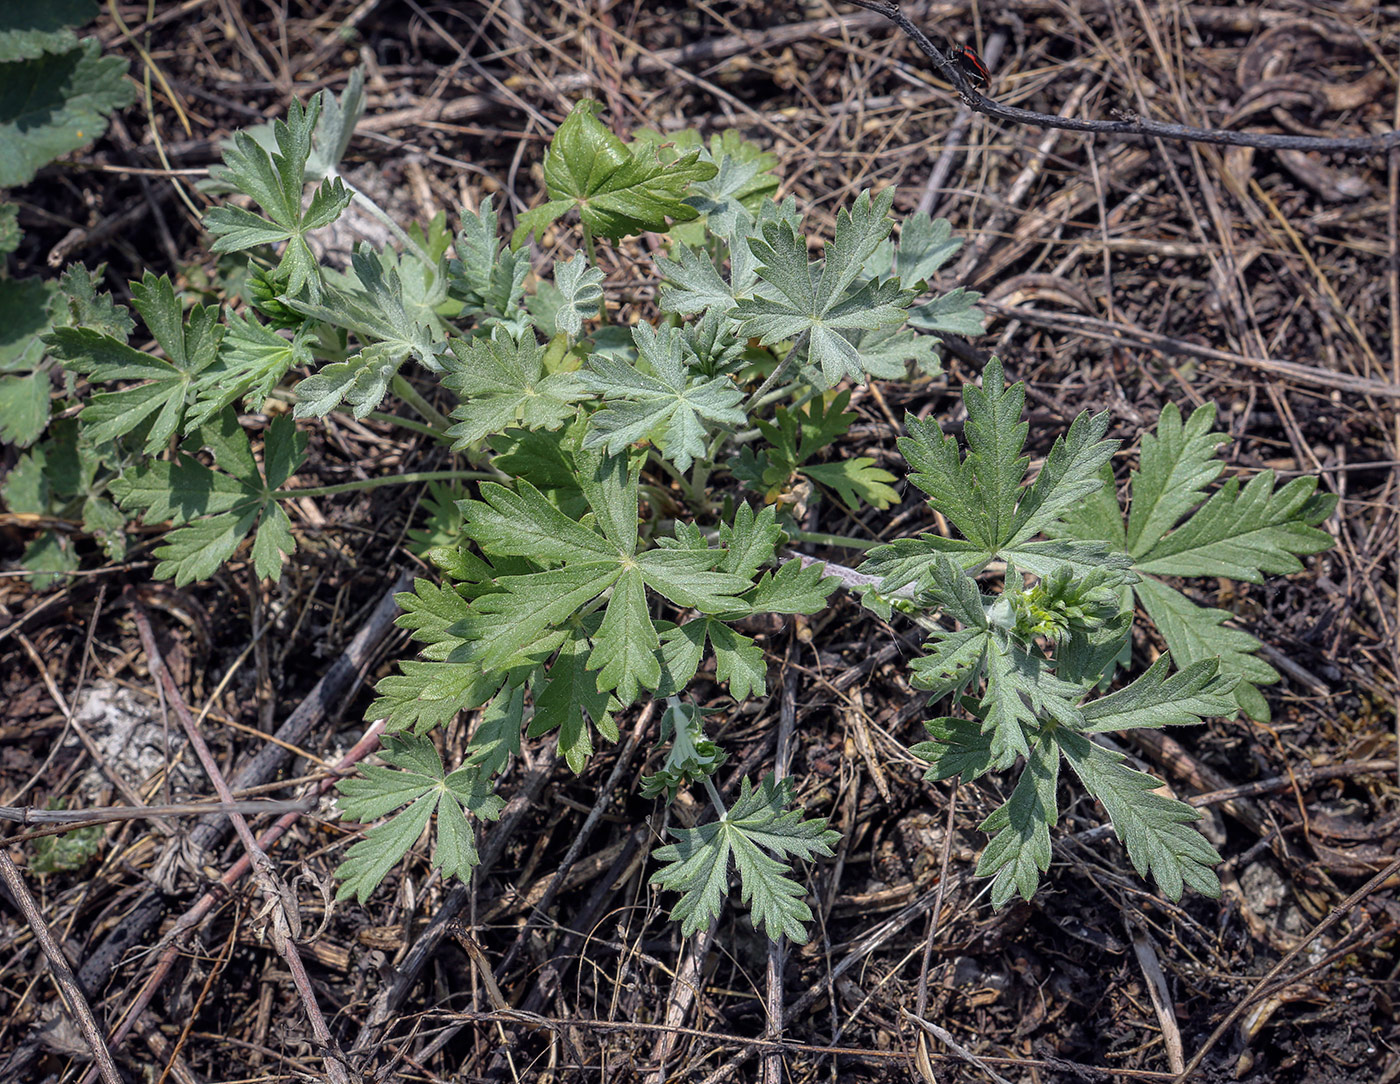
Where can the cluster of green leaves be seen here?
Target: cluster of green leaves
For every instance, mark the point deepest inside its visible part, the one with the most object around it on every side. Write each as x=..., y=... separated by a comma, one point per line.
x=1241, y=531
x=587, y=558
x=56, y=92
x=1025, y=667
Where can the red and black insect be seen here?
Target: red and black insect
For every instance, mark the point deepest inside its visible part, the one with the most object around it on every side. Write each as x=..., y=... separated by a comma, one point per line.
x=971, y=65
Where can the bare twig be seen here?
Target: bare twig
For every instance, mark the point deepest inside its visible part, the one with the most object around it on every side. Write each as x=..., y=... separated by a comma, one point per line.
x=285, y=925
x=1129, y=123
x=63, y=975
x=82, y=818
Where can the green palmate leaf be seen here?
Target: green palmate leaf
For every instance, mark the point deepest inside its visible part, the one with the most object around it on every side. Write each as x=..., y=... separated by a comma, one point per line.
x=497, y=735
x=740, y=188
x=995, y=466
x=503, y=383
x=55, y=102
x=522, y=619
x=330, y=138
x=1173, y=528
x=688, y=579
x=26, y=315
x=955, y=593
x=815, y=300
x=925, y=245
x=416, y=780
x=191, y=344
x=1195, y=633
x=857, y=481
x=1020, y=690
x=428, y=695
x=430, y=612
x=1155, y=830
x=659, y=400
x=524, y=523
x=617, y=189
x=794, y=437
x=624, y=651
x=739, y=662
x=30, y=30
x=1019, y=851
x=253, y=359
x=521, y=623
x=214, y=510
x=1071, y=472
x=758, y=825
x=275, y=181
x=750, y=541
x=953, y=661
x=693, y=285
x=985, y=497
x=887, y=352
x=1245, y=533
x=581, y=292
x=792, y=589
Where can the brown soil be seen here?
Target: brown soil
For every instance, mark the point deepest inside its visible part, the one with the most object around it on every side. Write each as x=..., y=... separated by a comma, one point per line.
x=1119, y=273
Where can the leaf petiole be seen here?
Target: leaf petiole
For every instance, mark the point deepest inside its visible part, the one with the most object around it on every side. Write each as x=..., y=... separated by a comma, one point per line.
x=388, y=480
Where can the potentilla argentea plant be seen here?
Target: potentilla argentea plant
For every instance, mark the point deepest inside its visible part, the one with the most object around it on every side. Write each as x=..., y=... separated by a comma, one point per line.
x=594, y=547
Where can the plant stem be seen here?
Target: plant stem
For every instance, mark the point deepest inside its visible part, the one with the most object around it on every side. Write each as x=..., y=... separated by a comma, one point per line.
x=774, y=376
x=388, y=480
x=715, y=799
x=409, y=394
x=818, y=538
x=378, y=212
x=407, y=423
x=591, y=250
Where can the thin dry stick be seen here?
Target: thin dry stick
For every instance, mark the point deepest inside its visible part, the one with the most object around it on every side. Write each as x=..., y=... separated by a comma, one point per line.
x=1110, y=331
x=1392, y=221
x=581, y=838
x=684, y=989
x=583, y=835
x=339, y=680
x=868, y=944
x=67, y=982
x=286, y=923
x=84, y=818
x=777, y=947
x=1130, y=124
x=952, y=142
x=206, y=903
x=1161, y=996
x=952, y=1044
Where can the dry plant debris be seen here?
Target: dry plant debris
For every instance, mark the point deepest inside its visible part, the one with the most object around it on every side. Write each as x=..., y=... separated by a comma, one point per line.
x=1120, y=274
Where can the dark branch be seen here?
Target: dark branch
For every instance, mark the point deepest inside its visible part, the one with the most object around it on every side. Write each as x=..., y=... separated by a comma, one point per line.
x=1129, y=124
